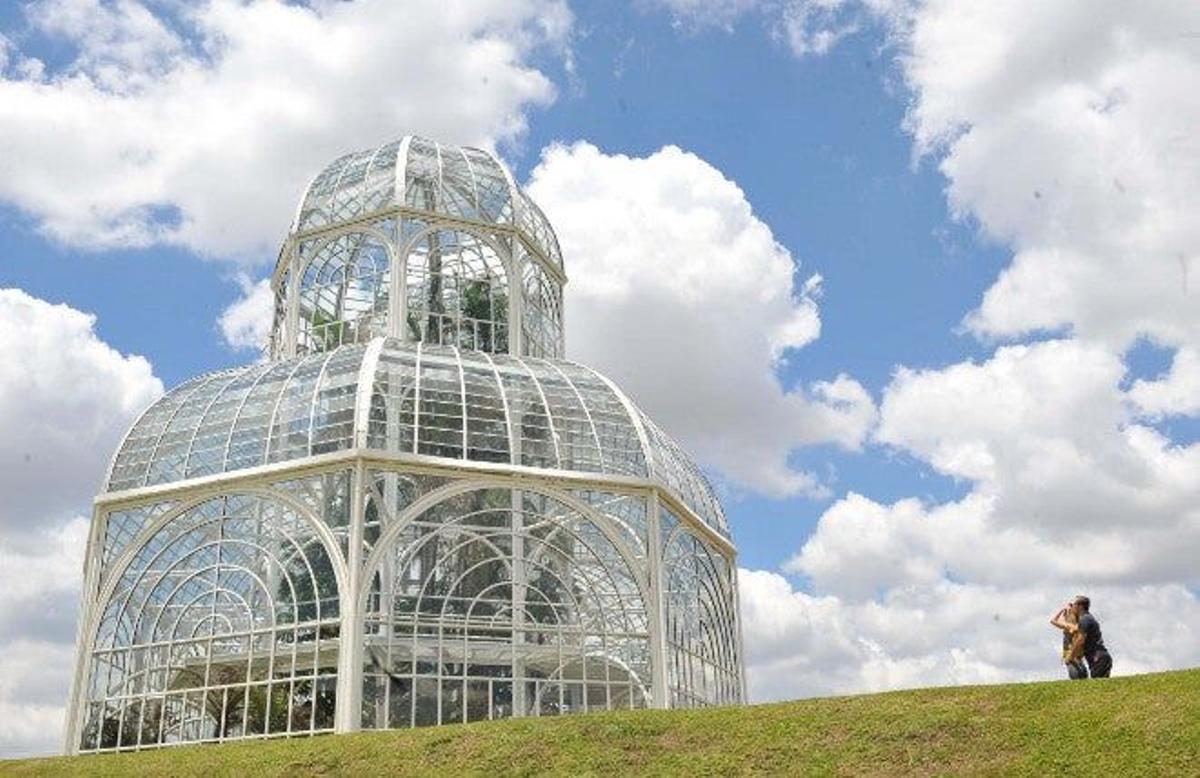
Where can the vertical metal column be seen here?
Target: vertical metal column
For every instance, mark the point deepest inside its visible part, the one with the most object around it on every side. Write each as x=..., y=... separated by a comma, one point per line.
x=76, y=704
x=398, y=283
x=292, y=314
x=516, y=297
x=657, y=605
x=737, y=618
x=350, y=658
x=519, y=573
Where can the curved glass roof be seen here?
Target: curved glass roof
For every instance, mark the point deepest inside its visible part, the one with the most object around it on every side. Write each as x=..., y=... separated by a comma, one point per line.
x=400, y=397
x=463, y=183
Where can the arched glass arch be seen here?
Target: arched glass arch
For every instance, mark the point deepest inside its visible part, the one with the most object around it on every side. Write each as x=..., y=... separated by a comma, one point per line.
x=541, y=322
x=500, y=602
x=485, y=230
x=703, y=662
x=456, y=286
x=350, y=186
x=223, y=624
x=344, y=290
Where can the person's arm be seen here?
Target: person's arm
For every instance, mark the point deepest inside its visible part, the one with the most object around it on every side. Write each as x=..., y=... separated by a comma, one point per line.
x=1059, y=620
x=1075, y=651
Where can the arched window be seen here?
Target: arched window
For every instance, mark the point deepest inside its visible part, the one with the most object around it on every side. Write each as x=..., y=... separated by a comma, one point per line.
x=343, y=296
x=542, y=313
x=702, y=645
x=223, y=625
x=500, y=602
x=457, y=292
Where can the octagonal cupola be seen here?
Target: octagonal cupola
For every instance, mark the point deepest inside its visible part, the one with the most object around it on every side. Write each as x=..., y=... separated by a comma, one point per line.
x=422, y=242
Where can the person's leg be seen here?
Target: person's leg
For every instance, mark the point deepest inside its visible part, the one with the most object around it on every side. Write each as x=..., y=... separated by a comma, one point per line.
x=1102, y=667
x=1076, y=671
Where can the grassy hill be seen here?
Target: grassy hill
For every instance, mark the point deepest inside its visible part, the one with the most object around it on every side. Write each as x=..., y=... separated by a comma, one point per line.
x=1125, y=726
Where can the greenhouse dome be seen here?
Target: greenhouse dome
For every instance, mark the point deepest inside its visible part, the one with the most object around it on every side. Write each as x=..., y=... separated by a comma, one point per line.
x=481, y=266
x=415, y=512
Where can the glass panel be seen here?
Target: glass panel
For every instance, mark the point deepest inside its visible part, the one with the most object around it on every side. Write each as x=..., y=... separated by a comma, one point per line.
x=207, y=455
x=457, y=292
x=121, y=527
x=620, y=446
x=541, y=323
x=464, y=581
x=701, y=621
x=440, y=427
x=193, y=616
x=535, y=438
x=578, y=448
x=131, y=463
x=675, y=469
x=344, y=291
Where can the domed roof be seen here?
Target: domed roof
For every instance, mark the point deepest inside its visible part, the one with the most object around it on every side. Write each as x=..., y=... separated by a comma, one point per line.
x=408, y=399
x=421, y=175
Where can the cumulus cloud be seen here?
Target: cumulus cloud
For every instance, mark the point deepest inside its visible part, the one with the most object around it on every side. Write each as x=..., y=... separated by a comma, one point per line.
x=1175, y=394
x=800, y=644
x=32, y=693
x=246, y=323
x=1068, y=491
x=1068, y=131
x=682, y=295
x=200, y=129
x=66, y=397
x=1064, y=131
x=1046, y=429
x=39, y=603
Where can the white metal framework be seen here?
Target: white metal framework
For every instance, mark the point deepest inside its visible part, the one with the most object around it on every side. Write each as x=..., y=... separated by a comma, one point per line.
x=476, y=265
x=416, y=513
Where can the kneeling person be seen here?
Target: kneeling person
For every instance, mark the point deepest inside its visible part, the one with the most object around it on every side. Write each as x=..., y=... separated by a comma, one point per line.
x=1099, y=661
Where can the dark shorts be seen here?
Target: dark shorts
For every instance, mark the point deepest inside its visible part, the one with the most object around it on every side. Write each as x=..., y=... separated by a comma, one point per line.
x=1100, y=664
x=1076, y=671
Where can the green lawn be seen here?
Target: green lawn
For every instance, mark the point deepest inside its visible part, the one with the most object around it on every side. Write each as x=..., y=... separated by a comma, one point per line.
x=1145, y=725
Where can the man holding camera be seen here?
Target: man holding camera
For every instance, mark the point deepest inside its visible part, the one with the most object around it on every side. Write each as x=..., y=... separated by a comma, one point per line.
x=1077, y=623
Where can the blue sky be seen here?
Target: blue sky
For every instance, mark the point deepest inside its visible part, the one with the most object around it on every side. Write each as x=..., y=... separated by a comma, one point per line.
x=989, y=403
x=817, y=146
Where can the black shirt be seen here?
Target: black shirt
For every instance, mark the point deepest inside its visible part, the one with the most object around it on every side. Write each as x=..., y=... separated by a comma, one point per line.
x=1093, y=641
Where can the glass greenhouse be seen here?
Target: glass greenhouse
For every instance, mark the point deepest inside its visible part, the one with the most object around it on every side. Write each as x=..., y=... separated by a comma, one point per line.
x=416, y=512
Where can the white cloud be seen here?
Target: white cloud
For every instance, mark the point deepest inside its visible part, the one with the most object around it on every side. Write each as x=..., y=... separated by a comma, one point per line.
x=1066, y=131
x=815, y=26
x=695, y=14
x=122, y=45
x=202, y=130
x=35, y=674
x=1063, y=129
x=682, y=295
x=66, y=397
x=40, y=576
x=246, y=323
x=799, y=644
x=1045, y=433
x=41, y=579
x=1067, y=493
x=1175, y=394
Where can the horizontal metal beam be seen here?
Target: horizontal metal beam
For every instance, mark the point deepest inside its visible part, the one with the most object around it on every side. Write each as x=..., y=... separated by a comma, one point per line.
x=502, y=473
